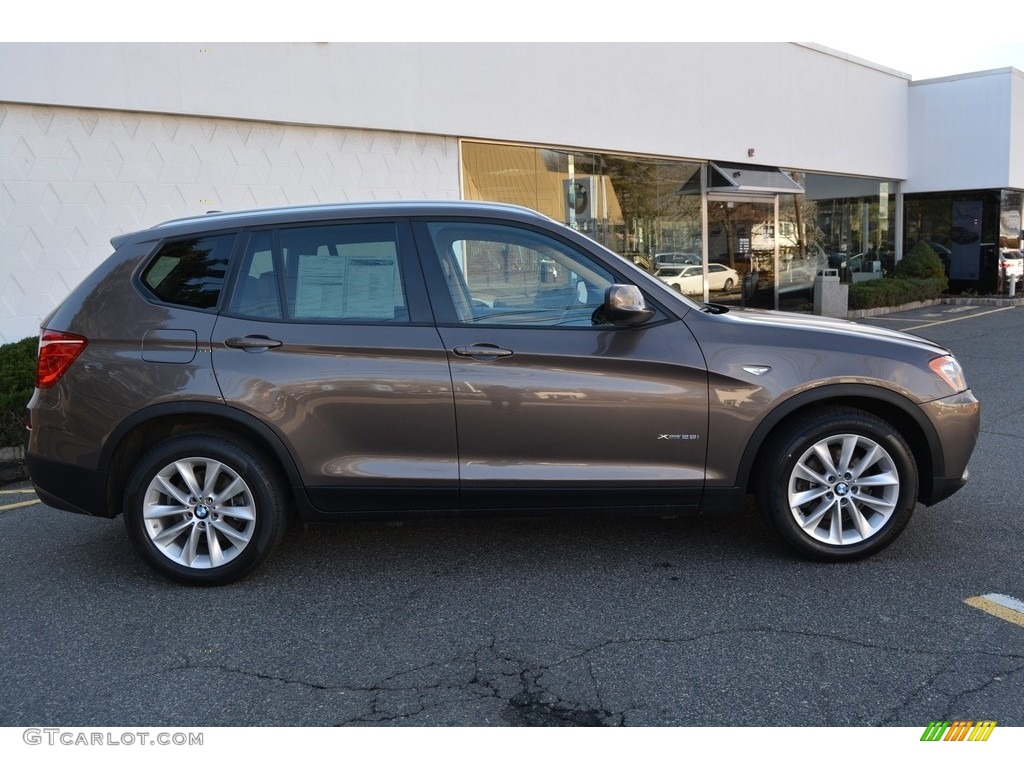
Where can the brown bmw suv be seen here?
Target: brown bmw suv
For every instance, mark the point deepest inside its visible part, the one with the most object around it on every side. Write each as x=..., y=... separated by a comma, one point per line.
x=218, y=374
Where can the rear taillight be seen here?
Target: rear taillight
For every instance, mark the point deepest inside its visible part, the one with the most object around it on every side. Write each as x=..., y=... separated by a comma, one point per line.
x=57, y=351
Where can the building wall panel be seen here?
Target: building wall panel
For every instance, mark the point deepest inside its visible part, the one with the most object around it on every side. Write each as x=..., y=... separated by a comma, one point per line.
x=70, y=179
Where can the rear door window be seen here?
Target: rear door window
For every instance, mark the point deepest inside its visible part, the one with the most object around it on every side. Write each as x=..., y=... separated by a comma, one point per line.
x=332, y=273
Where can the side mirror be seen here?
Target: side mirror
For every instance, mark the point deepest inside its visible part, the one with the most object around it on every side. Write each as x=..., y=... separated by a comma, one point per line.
x=623, y=305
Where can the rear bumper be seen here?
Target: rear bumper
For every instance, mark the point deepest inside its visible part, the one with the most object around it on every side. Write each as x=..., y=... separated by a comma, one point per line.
x=71, y=488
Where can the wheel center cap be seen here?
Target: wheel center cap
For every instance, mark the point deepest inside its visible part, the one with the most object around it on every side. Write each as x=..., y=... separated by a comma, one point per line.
x=842, y=489
x=202, y=511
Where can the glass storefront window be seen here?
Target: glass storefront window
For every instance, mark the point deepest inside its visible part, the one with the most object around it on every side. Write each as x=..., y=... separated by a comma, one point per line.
x=966, y=229
x=1010, y=219
x=634, y=206
x=741, y=236
x=854, y=222
x=649, y=210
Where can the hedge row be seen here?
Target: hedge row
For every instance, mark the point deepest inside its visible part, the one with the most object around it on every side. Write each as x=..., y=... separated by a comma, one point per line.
x=17, y=380
x=891, y=292
x=918, y=276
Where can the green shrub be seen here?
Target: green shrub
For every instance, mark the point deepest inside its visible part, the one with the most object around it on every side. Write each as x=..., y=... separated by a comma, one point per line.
x=17, y=380
x=922, y=263
x=891, y=292
x=918, y=276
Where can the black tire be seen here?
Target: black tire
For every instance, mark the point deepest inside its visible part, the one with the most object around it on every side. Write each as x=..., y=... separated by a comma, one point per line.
x=728, y=284
x=823, y=509
x=223, y=509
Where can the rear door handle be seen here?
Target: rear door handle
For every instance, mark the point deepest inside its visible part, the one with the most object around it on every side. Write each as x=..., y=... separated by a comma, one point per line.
x=251, y=343
x=482, y=351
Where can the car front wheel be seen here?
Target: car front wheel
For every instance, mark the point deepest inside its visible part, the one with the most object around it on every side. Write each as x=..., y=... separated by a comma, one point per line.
x=840, y=484
x=202, y=510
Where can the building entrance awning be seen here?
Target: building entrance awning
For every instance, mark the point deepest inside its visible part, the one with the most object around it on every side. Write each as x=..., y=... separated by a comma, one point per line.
x=729, y=179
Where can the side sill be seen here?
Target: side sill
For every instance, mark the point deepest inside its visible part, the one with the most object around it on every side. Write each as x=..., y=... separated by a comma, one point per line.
x=723, y=501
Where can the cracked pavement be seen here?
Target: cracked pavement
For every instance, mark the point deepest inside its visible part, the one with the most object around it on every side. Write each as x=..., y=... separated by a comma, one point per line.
x=566, y=622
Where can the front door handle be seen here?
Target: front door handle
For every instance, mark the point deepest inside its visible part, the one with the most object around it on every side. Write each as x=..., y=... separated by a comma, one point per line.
x=479, y=351
x=251, y=343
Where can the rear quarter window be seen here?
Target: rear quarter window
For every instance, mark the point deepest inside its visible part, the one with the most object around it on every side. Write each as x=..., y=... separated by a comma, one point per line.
x=190, y=272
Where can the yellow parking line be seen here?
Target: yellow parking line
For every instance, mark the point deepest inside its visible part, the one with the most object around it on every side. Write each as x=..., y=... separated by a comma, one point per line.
x=957, y=319
x=1002, y=606
x=7, y=507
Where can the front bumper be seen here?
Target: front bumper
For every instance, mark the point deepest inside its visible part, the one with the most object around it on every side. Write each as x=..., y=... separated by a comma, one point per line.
x=957, y=422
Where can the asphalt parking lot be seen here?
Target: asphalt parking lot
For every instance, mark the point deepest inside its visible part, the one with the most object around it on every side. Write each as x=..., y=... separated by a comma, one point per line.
x=614, y=621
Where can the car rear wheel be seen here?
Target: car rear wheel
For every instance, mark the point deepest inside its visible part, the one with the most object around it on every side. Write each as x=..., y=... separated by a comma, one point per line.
x=203, y=510
x=728, y=284
x=840, y=484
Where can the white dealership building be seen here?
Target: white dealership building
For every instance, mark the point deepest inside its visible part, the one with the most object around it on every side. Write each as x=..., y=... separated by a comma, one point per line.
x=706, y=148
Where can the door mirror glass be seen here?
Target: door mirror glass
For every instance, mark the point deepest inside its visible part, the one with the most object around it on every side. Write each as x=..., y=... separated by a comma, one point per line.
x=625, y=305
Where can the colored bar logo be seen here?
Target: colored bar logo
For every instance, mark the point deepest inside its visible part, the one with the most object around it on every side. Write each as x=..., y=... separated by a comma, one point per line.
x=958, y=730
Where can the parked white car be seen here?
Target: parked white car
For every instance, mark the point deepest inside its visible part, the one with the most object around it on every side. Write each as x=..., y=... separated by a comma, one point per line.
x=1011, y=263
x=691, y=279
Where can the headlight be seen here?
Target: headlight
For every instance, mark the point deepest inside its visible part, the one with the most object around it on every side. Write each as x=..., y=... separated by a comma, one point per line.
x=949, y=370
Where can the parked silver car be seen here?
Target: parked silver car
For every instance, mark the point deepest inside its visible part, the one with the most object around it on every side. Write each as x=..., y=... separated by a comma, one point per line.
x=219, y=373
x=677, y=259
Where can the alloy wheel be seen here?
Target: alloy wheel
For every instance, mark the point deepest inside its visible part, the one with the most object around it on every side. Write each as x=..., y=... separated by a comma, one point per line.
x=199, y=512
x=843, y=489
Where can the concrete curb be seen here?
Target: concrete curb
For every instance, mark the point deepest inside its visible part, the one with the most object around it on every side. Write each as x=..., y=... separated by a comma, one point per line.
x=12, y=464
x=972, y=301
x=856, y=314
x=985, y=301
